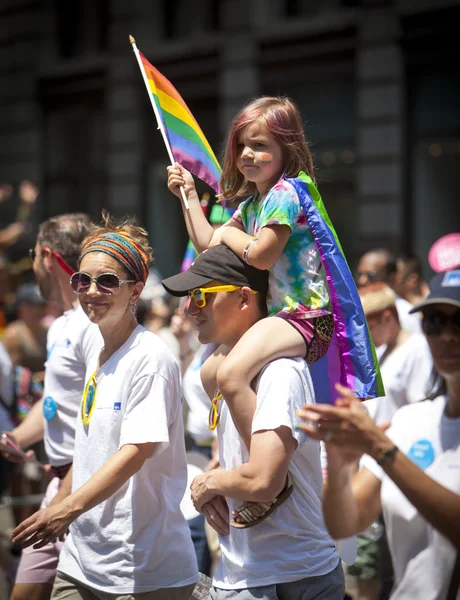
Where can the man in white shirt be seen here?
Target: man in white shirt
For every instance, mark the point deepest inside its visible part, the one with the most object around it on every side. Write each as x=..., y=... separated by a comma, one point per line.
x=287, y=554
x=380, y=265
x=406, y=364
x=72, y=341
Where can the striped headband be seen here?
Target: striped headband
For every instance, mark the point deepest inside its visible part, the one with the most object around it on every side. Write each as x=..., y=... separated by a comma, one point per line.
x=123, y=248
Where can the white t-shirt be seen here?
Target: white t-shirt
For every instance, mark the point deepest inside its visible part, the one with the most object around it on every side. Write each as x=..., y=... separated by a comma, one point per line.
x=6, y=389
x=72, y=341
x=137, y=540
x=292, y=543
x=408, y=322
x=406, y=374
x=423, y=559
x=197, y=399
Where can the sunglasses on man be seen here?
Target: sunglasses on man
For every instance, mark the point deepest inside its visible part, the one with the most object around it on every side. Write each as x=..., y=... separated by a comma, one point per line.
x=61, y=262
x=198, y=295
x=435, y=323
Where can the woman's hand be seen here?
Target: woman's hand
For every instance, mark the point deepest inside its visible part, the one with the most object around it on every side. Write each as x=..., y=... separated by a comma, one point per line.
x=44, y=526
x=177, y=177
x=346, y=428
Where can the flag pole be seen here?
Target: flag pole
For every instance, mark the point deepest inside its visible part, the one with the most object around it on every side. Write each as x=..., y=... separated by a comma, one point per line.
x=157, y=115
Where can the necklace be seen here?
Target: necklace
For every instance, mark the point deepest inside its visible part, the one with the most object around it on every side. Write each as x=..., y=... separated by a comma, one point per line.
x=214, y=411
x=88, y=401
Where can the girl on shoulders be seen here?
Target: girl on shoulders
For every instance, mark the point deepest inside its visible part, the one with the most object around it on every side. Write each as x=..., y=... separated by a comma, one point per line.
x=268, y=167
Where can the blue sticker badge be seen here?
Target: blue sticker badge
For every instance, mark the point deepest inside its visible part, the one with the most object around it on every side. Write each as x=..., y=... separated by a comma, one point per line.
x=117, y=406
x=422, y=454
x=49, y=408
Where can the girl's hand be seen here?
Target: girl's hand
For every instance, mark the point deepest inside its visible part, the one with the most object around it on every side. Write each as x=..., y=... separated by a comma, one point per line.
x=217, y=237
x=177, y=177
x=346, y=426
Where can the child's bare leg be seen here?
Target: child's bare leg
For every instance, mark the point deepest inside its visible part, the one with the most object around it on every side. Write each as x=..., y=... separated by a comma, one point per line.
x=208, y=372
x=265, y=341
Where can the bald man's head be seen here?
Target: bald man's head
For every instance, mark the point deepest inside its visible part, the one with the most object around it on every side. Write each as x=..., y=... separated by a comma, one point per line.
x=376, y=265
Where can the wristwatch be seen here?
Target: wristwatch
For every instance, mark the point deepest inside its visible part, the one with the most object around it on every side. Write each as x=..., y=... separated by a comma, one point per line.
x=388, y=456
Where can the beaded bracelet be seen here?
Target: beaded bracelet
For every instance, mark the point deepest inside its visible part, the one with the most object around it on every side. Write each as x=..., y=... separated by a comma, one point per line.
x=246, y=250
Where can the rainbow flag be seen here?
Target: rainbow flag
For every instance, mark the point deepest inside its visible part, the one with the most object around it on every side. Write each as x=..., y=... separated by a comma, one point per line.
x=188, y=144
x=351, y=359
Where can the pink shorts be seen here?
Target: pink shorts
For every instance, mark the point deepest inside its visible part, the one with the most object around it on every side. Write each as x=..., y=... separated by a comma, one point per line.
x=316, y=331
x=39, y=566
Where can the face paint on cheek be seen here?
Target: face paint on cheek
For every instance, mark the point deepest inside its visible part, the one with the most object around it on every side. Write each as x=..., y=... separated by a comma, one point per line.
x=266, y=158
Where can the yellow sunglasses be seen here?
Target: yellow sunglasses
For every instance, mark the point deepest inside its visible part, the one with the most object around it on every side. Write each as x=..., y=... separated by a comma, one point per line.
x=198, y=295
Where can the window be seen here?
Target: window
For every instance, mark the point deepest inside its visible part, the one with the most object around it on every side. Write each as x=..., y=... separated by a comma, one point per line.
x=81, y=27
x=74, y=157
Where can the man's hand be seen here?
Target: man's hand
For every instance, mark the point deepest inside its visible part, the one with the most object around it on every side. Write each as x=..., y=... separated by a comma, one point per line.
x=44, y=526
x=200, y=490
x=216, y=513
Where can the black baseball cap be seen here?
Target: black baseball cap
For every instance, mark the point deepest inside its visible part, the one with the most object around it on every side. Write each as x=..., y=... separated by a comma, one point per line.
x=221, y=263
x=444, y=289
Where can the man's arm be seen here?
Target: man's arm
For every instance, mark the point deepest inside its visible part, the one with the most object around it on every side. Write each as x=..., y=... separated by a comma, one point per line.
x=261, y=479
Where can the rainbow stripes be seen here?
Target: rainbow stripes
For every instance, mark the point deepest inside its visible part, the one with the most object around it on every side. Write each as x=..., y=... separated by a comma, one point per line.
x=351, y=359
x=188, y=144
x=125, y=249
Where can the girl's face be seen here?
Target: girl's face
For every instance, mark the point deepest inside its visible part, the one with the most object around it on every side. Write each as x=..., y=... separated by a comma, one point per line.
x=259, y=157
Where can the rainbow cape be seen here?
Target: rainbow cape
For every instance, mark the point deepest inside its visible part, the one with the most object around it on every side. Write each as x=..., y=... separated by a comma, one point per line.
x=351, y=359
x=188, y=144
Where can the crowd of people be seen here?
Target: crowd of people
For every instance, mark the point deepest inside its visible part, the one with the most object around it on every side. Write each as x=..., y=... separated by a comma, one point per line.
x=231, y=420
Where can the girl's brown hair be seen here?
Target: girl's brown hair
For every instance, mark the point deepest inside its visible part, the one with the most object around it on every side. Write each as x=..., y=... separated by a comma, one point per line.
x=281, y=117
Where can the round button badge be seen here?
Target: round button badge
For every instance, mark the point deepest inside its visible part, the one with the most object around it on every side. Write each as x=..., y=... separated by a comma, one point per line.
x=422, y=454
x=49, y=408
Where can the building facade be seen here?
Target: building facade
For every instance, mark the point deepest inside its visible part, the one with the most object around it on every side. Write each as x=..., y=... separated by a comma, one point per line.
x=377, y=83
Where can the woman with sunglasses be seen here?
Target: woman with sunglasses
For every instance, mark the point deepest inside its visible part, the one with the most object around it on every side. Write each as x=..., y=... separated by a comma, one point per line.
x=412, y=472
x=127, y=533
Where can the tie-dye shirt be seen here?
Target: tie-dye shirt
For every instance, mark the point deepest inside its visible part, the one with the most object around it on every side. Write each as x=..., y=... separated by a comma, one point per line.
x=297, y=281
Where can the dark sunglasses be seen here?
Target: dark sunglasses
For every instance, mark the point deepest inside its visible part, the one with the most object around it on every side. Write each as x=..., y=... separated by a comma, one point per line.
x=434, y=323
x=106, y=283
x=62, y=263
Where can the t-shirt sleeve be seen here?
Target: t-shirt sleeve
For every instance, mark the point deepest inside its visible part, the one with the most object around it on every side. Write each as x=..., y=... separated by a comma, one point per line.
x=237, y=216
x=281, y=206
x=148, y=414
x=281, y=392
x=241, y=213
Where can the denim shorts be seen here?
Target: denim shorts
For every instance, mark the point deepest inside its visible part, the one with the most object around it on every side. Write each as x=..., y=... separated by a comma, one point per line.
x=324, y=587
